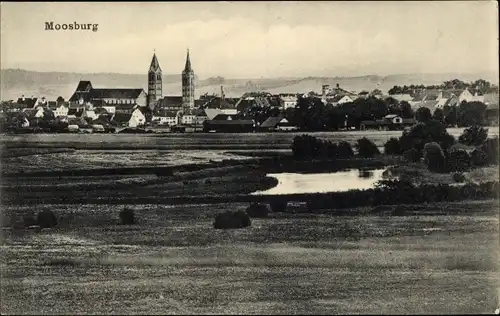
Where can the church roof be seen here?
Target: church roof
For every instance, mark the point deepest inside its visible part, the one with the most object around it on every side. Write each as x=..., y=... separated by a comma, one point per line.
x=187, y=67
x=155, y=65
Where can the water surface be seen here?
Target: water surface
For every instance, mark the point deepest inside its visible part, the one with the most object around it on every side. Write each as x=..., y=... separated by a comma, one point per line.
x=296, y=183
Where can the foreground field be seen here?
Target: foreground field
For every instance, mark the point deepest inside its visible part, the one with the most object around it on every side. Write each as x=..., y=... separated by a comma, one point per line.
x=441, y=259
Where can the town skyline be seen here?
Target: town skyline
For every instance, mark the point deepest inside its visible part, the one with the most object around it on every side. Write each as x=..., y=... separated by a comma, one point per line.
x=390, y=48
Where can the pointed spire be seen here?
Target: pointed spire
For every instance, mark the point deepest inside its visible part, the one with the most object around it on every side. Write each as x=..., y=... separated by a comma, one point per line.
x=187, y=68
x=155, y=65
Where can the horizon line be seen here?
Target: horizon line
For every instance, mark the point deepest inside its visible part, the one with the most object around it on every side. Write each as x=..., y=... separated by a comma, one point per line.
x=262, y=77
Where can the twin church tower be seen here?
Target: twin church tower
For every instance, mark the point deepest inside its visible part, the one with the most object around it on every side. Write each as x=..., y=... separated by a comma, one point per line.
x=155, y=84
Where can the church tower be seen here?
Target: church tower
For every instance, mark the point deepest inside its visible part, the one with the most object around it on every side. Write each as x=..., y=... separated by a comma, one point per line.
x=188, y=85
x=154, y=83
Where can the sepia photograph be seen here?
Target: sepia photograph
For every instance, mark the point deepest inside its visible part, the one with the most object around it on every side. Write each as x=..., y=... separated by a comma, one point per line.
x=237, y=157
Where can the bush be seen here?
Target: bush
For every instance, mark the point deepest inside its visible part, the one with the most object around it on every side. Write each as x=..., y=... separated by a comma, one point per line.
x=232, y=220
x=434, y=157
x=46, y=219
x=458, y=177
x=257, y=210
x=345, y=150
x=457, y=160
x=412, y=155
x=305, y=146
x=392, y=147
x=473, y=136
x=366, y=148
x=127, y=216
x=478, y=158
x=422, y=133
x=490, y=147
x=278, y=206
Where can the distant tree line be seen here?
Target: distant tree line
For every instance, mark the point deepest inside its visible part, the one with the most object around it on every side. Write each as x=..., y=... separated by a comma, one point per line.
x=455, y=84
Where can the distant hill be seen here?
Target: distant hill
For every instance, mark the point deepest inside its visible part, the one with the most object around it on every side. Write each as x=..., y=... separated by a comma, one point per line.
x=16, y=82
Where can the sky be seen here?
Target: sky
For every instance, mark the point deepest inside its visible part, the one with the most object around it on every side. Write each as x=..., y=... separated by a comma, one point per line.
x=255, y=39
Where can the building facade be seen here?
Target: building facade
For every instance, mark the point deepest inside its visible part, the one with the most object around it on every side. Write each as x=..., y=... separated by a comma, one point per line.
x=154, y=83
x=188, y=85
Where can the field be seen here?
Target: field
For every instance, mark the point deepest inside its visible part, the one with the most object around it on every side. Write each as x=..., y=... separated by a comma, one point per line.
x=174, y=262
x=437, y=258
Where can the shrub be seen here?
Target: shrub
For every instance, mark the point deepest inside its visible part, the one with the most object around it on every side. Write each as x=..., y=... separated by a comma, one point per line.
x=345, y=150
x=473, y=136
x=457, y=160
x=478, y=158
x=366, y=148
x=232, y=220
x=412, y=155
x=490, y=147
x=392, y=147
x=127, y=216
x=458, y=177
x=305, y=146
x=46, y=219
x=257, y=210
x=278, y=206
x=422, y=133
x=434, y=157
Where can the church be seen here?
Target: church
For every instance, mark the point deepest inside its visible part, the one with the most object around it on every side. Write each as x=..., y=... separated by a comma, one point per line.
x=171, y=103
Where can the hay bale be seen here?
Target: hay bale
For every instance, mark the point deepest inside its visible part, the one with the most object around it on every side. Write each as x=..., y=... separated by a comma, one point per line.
x=29, y=220
x=257, y=210
x=127, y=216
x=232, y=220
x=46, y=219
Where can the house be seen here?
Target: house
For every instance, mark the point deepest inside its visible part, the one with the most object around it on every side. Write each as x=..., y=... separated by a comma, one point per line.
x=27, y=102
x=221, y=104
x=469, y=96
x=165, y=117
x=279, y=122
x=103, y=119
x=212, y=113
x=389, y=122
x=75, y=113
x=287, y=100
x=99, y=105
x=228, y=124
x=402, y=97
x=193, y=117
x=79, y=121
x=170, y=103
x=363, y=94
x=86, y=94
x=339, y=99
x=89, y=113
x=394, y=119
x=491, y=100
x=61, y=111
x=34, y=112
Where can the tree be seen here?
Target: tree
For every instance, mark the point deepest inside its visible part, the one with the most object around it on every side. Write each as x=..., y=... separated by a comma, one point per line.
x=473, y=136
x=392, y=147
x=450, y=115
x=406, y=111
x=434, y=157
x=60, y=101
x=471, y=113
x=438, y=115
x=457, y=160
x=423, y=114
x=366, y=148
